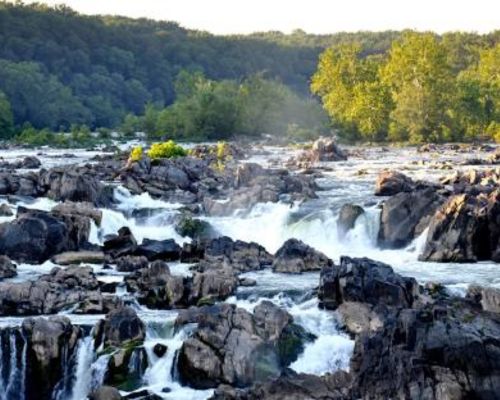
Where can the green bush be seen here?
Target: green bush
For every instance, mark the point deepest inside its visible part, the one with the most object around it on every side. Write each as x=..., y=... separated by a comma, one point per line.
x=168, y=149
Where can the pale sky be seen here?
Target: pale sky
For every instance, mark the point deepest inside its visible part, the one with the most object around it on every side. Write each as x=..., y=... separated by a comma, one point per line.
x=314, y=16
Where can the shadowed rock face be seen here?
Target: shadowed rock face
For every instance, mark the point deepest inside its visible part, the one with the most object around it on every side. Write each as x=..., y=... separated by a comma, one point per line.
x=49, y=345
x=295, y=257
x=366, y=281
x=406, y=215
x=235, y=347
x=35, y=236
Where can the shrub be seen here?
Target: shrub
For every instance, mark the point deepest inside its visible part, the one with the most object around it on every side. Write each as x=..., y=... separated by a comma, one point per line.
x=168, y=149
x=136, y=154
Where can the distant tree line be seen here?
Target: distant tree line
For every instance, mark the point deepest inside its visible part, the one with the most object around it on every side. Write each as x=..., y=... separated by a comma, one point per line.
x=60, y=70
x=425, y=89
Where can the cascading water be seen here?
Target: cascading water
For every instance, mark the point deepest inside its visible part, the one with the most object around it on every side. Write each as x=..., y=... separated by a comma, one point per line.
x=13, y=365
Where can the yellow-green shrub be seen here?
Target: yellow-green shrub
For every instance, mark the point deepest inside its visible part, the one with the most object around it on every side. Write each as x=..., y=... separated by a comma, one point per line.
x=167, y=149
x=136, y=154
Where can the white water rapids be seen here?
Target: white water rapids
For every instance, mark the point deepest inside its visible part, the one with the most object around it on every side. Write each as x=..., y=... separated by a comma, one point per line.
x=270, y=225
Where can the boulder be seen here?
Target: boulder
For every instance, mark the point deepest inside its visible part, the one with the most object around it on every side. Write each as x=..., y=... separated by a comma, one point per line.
x=73, y=185
x=30, y=162
x=405, y=216
x=51, y=293
x=105, y=393
x=458, y=232
x=193, y=228
x=83, y=209
x=122, y=244
x=166, y=250
x=120, y=327
x=295, y=257
x=390, y=183
x=444, y=351
x=211, y=286
x=366, y=281
x=5, y=210
x=7, y=268
x=348, y=216
x=487, y=297
x=131, y=263
x=160, y=349
x=234, y=347
x=50, y=343
x=35, y=236
x=79, y=257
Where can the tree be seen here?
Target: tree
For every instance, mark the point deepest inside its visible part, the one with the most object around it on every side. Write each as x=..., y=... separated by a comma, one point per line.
x=6, y=118
x=422, y=88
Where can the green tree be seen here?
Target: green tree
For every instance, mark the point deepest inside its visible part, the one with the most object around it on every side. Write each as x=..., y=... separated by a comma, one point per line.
x=6, y=118
x=422, y=88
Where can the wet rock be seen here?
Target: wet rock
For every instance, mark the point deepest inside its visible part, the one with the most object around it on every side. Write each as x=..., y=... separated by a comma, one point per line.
x=458, y=232
x=82, y=209
x=7, y=268
x=295, y=257
x=160, y=349
x=359, y=317
x=131, y=263
x=50, y=342
x=126, y=367
x=73, y=185
x=166, y=250
x=6, y=211
x=235, y=347
x=122, y=326
x=292, y=386
x=444, y=351
x=487, y=297
x=156, y=288
x=240, y=256
x=247, y=282
x=105, y=393
x=143, y=395
x=366, y=281
x=35, y=236
x=323, y=149
x=405, y=216
x=79, y=257
x=51, y=293
x=194, y=228
x=212, y=285
x=348, y=215
x=390, y=183
x=123, y=243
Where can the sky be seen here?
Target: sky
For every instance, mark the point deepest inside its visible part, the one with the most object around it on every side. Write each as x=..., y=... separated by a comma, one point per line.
x=313, y=16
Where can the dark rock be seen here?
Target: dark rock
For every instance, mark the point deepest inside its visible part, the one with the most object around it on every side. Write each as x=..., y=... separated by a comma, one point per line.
x=6, y=211
x=390, y=183
x=367, y=281
x=49, y=346
x=82, y=209
x=57, y=291
x=31, y=162
x=35, y=236
x=166, y=250
x=235, y=347
x=121, y=244
x=487, y=297
x=7, y=268
x=105, y=393
x=160, y=349
x=194, y=228
x=458, y=232
x=296, y=257
x=348, y=215
x=131, y=263
x=405, y=215
x=122, y=326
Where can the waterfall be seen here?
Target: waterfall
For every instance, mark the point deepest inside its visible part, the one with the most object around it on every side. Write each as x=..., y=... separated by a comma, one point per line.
x=12, y=365
x=83, y=372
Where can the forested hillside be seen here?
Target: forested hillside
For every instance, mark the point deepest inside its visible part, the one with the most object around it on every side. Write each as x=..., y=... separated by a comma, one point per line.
x=58, y=67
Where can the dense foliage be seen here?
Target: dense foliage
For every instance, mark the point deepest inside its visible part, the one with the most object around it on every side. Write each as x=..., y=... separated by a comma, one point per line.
x=212, y=110
x=58, y=67
x=425, y=89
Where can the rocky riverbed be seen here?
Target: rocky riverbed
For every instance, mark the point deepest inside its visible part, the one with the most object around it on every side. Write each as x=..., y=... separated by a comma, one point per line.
x=278, y=273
